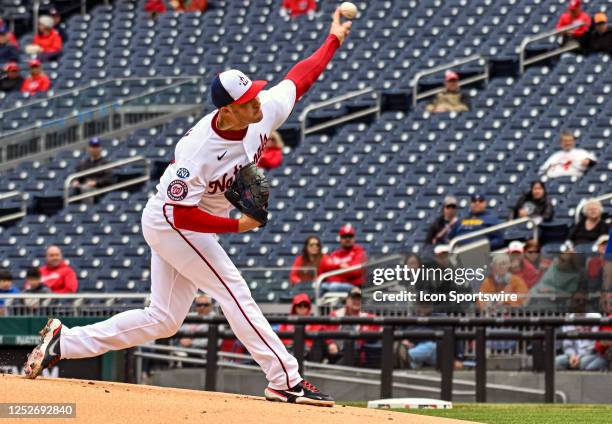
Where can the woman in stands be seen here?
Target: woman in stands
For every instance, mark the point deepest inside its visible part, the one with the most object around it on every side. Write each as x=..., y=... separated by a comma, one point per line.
x=591, y=225
x=534, y=204
x=307, y=266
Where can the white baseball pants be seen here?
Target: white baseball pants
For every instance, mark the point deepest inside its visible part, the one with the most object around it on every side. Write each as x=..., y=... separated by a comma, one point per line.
x=183, y=262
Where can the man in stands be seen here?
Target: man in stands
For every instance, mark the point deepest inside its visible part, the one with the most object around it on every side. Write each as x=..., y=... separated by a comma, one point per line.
x=11, y=37
x=57, y=274
x=573, y=14
x=6, y=287
x=439, y=229
x=38, y=81
x=568, y=162
x=349, y=254
x=451, y=99
x=59, y=26
x=94, y=159
x=8, y=52
x=478, y=219
x=47, y=43
x=295, y=8
x=12, y=80
x=203, y=308
x=366, y=352
x=272, y=156
x=599, y=37
x=301, y=305
x=33, y=285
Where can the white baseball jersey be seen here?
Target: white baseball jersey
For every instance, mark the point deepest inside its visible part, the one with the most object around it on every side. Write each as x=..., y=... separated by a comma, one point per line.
x=566, y=163
x=205, y=163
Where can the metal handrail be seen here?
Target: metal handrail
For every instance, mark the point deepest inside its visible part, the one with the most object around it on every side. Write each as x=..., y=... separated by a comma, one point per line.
x=480, y=77
x=321, y=277
x=53, y=296
x=24, y=205
x=136, y=180
x=582, y=202
x=89, y=112
x=495, y=228
x=572, y=45
x=348, y=117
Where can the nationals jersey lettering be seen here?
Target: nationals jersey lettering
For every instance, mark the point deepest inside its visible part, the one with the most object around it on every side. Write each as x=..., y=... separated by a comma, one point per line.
x=207, y=163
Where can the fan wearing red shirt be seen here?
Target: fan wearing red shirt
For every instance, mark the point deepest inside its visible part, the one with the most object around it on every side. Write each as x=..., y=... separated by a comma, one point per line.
x=308, y=265
x=272, y=156
x=57, y=274
x=154, y=7
x=38, y=81
x=574, y=13
x=301, y=305
x=47, y=39
x=349, y=254
x=299, y=7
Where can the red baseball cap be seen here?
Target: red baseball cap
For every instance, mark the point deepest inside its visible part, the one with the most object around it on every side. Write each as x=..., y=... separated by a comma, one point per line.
x=346, y=229
x=451, y=76
x=11, y=66
x=34, y=63
x=574, y=4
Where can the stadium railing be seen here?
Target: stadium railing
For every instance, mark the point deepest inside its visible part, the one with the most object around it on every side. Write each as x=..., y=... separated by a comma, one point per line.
x=116, y=117
x=580, y=206
x=531, y=223
x=23, y=205
x=544, y=330
x=116, y=186
x=484, y=76
x=375, y=109
x=567, y=47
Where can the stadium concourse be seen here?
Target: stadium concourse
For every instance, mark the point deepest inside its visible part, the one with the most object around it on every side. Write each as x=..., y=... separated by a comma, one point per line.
x=387, y=176
x=98, y=402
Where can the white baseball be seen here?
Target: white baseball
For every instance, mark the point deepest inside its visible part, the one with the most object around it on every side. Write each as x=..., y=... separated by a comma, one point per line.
x=348, y=10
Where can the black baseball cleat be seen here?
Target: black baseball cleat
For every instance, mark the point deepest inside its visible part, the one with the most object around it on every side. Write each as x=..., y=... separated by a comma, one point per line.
x=47, y=353
x=303, y=393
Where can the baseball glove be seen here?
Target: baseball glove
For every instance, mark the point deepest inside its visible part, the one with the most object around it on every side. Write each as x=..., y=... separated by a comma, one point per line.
x=249, y=193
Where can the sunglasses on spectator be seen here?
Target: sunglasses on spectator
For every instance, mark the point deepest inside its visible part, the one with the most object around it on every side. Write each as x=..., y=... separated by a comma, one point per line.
x=203, y=305
x=302, y=305
x=347, y=236
x=314, y=244
x=450, y=206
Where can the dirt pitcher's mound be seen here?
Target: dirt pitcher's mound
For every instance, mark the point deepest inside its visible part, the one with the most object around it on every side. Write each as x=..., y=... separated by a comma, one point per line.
x=104, y=403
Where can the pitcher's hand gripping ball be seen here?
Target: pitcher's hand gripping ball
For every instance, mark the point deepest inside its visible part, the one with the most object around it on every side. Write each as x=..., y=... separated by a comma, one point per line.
x=249, y=193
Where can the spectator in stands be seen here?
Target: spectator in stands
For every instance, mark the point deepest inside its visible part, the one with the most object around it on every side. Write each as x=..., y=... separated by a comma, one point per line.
x=312, y=257
x=301, y=305
x=38, y=81
x=349, y=254
x=47, y=43
x=501, y=279
x=366, y=352
x=272, y=156
x=574, y=14
x=451, y=99
x=94, y=181
x=595, y=266
x=58, y=25
x=591, y=225
x=563, y=279
x=10, y=35
x=8, y=52
x=6, y=287
x=579, y=354
x=295, y=8
x=12, y=80
x=526, y=261
x=534, y=204
x=57, y=274
x=155, y=8
x=189, y=5
x=439, y=230
x=570, y=161
x=33, y=285
x=603, y=347
x=478, y=219
x=203, y=308
x=599, y=37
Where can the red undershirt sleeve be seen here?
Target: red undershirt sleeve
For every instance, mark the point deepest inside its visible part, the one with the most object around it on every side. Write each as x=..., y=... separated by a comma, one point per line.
x=306, y=72
x=195, y=219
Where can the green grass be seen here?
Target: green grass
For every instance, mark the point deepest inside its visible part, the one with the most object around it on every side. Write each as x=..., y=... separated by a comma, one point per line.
x=519, y=413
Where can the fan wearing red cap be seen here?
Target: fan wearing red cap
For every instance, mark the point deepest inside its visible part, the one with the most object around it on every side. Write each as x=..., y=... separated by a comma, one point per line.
x=451, y=99
x=301, y=306
x=573, y=14
x=349, y=254
x=13, y=80
x=38, y=81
